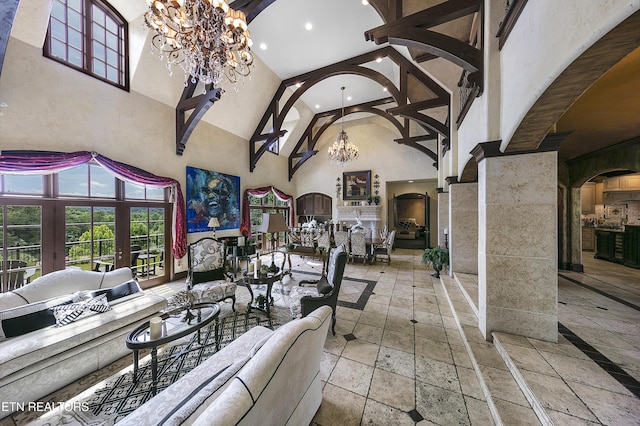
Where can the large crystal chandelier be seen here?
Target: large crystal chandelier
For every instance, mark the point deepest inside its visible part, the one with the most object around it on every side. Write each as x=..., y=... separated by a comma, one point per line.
x=206, y=38
x=342, y=151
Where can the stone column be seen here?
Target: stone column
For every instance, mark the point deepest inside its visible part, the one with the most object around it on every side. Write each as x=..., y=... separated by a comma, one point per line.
x=574, y=219
x=463, y=227
x=518, y=251
x=443, y=217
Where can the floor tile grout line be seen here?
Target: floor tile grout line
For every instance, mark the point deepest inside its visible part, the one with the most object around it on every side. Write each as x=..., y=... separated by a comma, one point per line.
x=493, y=409
x=609, y=366
x=600, y=292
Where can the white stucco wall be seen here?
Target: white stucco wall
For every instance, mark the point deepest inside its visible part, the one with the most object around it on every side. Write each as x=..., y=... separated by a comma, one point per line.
x=548, y=36
x=53, y=107
x=378, y=153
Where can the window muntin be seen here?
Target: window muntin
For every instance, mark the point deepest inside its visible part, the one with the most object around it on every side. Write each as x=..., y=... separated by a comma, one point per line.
x=89, y=35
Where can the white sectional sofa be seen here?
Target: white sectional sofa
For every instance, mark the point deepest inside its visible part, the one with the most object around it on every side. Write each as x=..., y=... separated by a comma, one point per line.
x=34, y=363
x=264, y=377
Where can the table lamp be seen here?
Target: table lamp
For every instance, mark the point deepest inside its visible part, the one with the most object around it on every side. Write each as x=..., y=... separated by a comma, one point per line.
x=272, y=223
x=213, y=223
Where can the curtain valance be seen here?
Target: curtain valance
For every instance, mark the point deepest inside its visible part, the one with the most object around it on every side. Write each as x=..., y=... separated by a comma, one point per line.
x=48, y=162
x=245, y=227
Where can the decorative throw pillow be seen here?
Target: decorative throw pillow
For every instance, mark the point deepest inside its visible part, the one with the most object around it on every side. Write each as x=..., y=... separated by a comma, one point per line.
x=66, y=314
x=25, y=319
x=119, y=291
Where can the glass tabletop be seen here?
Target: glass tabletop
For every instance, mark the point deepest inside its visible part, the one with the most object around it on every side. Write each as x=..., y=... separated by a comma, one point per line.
x=175, y=324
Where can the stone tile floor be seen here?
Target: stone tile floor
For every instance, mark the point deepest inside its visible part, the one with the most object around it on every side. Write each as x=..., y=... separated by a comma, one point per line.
x=402, y=355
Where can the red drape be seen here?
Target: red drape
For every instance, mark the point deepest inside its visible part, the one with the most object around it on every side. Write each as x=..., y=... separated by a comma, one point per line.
x=245, y=227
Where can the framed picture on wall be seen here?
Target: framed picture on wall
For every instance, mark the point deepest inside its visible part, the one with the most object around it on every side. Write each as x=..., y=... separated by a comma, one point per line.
x=212, y=194
x=356, y=185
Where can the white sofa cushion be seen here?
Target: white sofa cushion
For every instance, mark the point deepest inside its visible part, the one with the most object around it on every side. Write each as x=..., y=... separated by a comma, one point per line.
x=23, y=351
x=197, y=384
x=58, y=283
x=269, y=388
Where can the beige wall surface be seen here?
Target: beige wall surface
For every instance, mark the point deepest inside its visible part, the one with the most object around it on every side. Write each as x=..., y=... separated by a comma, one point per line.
x=53, y=107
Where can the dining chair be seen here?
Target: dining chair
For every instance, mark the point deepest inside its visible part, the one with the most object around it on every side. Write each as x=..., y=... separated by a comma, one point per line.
x=358, y=247
x=341, y=237
x=386, y=248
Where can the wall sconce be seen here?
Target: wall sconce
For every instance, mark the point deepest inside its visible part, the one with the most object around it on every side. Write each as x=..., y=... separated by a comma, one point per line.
x=376, y=183
x=446, y=238
x=338, y=188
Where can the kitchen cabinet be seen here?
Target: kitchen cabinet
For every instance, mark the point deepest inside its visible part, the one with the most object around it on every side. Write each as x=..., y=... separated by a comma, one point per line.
x=588, y=239
x=614, y=245
x=629, y=182
x=632, y=246
x=588, y=198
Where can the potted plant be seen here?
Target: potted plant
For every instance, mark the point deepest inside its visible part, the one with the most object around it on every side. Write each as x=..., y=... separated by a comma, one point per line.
x=376, y=199
x=369, y=199
x=261, y=301
x=437, y=256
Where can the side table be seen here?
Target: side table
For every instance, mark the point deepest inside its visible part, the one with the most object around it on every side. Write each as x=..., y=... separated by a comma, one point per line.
x=248, y=281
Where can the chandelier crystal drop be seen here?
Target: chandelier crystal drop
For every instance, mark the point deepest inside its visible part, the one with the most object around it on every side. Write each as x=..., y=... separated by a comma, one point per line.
x=342, y=151
x=206, y=38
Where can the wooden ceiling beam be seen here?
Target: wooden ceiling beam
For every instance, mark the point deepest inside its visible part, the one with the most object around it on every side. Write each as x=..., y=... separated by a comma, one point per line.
x=431, y=17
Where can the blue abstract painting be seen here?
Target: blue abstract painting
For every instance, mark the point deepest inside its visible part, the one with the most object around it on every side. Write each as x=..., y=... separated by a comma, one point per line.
x=212, y=194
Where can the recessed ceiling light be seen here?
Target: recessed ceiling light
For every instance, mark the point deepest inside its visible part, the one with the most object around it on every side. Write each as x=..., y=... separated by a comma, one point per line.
x=379, y=60
x=298, y=85
x=384, y=89
x=365, y=2
x=308, y=26
x=410, y=181
x=348, y=98
x=317, y=106
x=263, y=46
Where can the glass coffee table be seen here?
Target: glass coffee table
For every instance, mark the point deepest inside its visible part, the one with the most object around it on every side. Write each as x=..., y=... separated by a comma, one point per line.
x=177, y=323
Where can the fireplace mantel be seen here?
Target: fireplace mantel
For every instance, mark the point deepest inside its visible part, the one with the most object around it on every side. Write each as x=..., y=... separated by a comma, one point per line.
x=369, y=215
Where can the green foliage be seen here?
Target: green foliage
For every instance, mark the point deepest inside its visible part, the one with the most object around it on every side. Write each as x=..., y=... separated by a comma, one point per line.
x=103, y=243
x=437, y=256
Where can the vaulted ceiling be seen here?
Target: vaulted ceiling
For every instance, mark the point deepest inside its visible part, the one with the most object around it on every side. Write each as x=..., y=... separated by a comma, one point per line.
x=398, y=59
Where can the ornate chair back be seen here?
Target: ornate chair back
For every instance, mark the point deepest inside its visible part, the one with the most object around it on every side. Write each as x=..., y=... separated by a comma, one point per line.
x=341, y=237
x=207, y=280
x=358, y=246
x=329, y=289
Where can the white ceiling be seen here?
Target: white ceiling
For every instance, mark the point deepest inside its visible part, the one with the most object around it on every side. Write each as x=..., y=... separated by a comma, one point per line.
x=337, y=34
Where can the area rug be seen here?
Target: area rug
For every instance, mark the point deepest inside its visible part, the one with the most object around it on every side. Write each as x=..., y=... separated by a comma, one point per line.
x=113, y=399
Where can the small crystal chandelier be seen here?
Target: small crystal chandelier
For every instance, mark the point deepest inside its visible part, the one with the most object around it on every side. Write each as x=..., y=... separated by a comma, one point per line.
x=206, y=38
x=342, y=151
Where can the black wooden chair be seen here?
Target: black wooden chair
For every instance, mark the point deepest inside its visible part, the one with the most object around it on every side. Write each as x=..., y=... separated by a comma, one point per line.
x=326, y=289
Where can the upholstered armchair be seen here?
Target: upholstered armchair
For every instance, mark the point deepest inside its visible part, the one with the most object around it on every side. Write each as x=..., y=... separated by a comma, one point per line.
x=305, y=300
x=207, y=279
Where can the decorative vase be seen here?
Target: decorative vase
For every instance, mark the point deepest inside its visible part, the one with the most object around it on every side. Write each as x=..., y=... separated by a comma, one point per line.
x=437, y=269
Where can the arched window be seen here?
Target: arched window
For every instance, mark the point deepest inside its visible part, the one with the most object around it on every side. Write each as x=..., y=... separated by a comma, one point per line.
x=90, y=36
